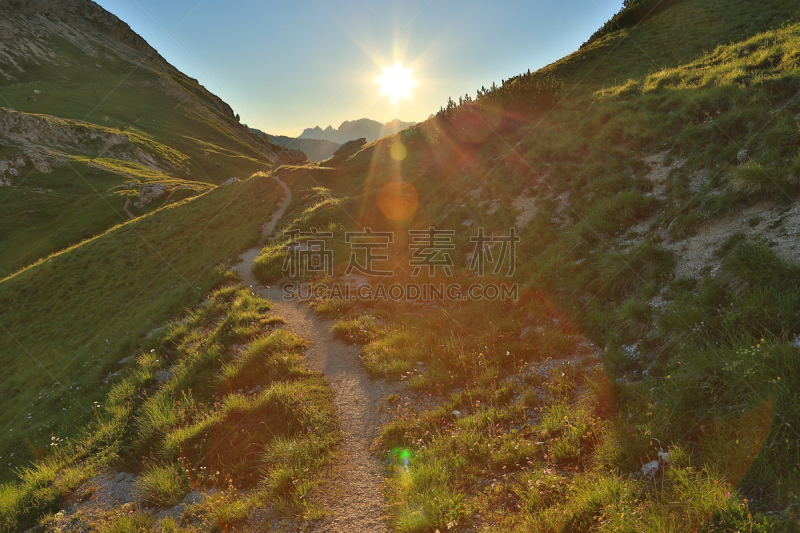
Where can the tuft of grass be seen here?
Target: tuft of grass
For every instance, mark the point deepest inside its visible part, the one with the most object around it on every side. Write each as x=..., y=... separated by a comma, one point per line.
x=135, y=523
x=754, y=179
x=335, y=307
x=163, y=485
x=274, y=357
x=393, y=353
x=361, y=330
x=268, y=266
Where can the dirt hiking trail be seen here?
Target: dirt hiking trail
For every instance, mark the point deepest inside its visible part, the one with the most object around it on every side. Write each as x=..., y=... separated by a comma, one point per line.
x=355, y=494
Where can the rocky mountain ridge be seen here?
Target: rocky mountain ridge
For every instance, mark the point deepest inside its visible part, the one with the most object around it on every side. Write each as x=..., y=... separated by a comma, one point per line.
x=350, y=130
x=316, y=150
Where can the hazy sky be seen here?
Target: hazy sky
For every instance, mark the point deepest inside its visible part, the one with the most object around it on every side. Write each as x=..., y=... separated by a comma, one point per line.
x=288, y=65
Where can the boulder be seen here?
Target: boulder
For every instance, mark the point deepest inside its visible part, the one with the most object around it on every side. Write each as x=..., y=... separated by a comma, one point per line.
x=150, y=192
x=292, y=157
x=13, y=171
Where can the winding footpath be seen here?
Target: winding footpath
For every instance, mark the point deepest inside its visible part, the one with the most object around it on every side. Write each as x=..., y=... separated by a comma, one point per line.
x=354, y=494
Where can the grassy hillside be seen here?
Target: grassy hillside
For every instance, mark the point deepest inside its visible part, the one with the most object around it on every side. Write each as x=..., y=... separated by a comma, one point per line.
x=74, y=202
x=645, y=380
x=222, y=407
x=85, y=75
x=653, y=178
x=108, y=110
x=68, y=321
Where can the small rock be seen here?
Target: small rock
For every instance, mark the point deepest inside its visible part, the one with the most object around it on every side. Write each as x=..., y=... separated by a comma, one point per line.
x=742, y=155
x=155, y=331
x=162, y=376
x=456, y=413
x=650, y=469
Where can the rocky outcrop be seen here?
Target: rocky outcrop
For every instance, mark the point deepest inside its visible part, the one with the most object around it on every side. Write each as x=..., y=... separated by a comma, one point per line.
x=40, y=163
x=77, y=12
x=350, y=146
x=89, y=15
x=229, y=181
x=150, y=192
x=32, y=132
x=292, y=157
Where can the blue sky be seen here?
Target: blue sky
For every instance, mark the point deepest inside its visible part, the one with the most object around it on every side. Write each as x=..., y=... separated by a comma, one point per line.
x=285, y=66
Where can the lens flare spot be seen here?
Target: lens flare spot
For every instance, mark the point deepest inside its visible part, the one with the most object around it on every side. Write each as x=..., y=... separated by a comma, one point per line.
x=398, y=151
x=398, y=200
x=401, y=458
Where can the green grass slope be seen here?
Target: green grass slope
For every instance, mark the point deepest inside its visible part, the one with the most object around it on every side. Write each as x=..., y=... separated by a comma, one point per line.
x=85, y=74
x=653, y=178
x=107, y=98
x=66, y=322
x=221, y=406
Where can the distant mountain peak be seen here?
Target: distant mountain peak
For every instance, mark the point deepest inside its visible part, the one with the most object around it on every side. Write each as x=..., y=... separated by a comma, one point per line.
x=350, y=130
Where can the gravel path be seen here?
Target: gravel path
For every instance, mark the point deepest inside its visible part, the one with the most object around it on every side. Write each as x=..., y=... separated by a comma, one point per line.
x=125, y=208
x=355, y=494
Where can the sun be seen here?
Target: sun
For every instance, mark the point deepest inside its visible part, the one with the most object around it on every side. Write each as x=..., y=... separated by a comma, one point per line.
x=396, y=82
